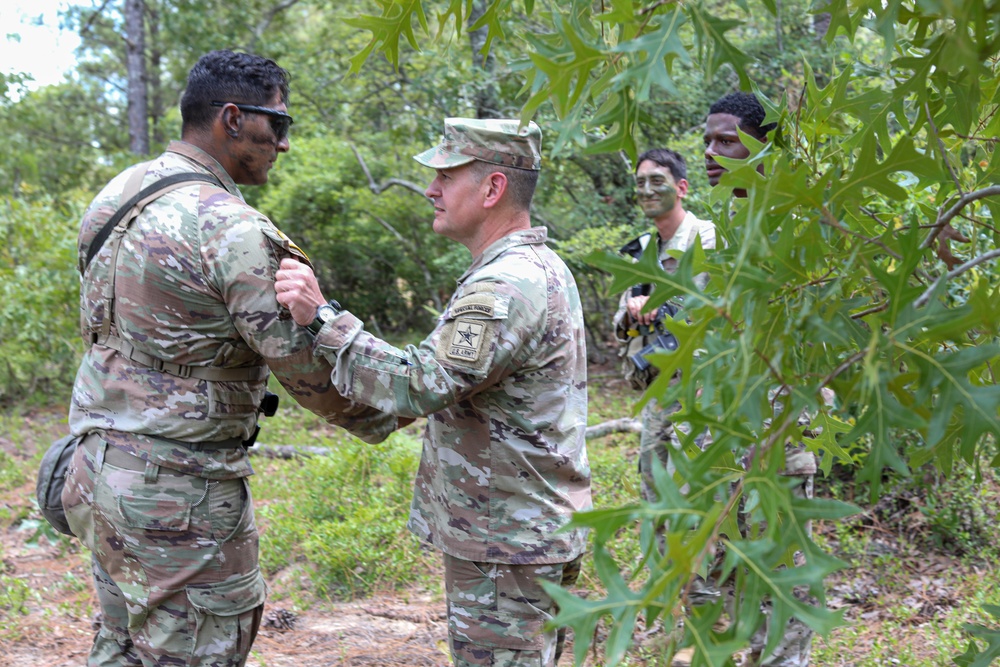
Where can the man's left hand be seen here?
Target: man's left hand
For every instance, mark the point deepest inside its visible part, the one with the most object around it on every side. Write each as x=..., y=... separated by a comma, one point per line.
x=298, y=291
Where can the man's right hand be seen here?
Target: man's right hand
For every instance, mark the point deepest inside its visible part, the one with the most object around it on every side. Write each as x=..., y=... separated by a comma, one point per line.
x=634, y=305
x=298, y=291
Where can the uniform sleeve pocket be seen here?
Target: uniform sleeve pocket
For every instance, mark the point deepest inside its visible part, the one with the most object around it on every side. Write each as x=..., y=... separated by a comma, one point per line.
x=469, y=335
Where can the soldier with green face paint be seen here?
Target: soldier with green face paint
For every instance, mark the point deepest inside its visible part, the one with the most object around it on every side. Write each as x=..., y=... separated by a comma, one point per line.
x=661, y=185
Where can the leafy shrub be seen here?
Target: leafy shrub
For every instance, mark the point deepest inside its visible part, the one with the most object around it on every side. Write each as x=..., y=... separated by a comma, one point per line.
x=961, y=510
x=346, y=514
x=38, y=297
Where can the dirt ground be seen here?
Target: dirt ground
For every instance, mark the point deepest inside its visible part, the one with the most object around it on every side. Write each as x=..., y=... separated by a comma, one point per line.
x=57, y=619
x=57, y=622
x=59, y=614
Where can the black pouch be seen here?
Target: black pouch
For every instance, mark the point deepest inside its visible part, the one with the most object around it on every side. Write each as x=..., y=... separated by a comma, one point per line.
x=52, y=479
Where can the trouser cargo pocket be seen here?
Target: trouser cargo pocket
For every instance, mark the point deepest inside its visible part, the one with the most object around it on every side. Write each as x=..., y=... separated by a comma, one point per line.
x=225, y=617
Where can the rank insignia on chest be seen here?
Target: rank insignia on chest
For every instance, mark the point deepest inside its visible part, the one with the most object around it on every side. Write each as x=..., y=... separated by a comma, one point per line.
x=467, y=340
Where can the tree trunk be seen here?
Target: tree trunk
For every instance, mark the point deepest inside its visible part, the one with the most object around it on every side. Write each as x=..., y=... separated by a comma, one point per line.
x=135, y=65
x=153, y=76
x=487, y=102
x=778, y=30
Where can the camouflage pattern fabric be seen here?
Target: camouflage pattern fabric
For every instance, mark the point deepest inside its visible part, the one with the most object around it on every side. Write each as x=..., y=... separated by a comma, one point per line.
x=659, y=438
x=794, y=646
x=195, y=286
x=502, y=380
x=493, y=140
x=175, y=546
x=174, y=561
x=497, y=612
x=793, y=649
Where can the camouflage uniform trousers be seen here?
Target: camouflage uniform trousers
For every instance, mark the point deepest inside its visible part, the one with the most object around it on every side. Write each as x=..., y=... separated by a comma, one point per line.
x=794, y=647
x=174, y=561
x=496, y=612
x=660, y=439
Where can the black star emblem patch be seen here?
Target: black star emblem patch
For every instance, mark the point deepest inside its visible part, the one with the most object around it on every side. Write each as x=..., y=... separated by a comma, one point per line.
x=467, y=340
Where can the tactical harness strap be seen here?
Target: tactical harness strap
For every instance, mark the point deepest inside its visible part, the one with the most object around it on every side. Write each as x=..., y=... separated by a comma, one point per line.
x=117, y=225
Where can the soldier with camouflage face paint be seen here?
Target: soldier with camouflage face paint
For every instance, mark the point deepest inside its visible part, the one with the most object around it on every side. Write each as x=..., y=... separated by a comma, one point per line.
x=661, y=186
x=730, y=114
x=502, y=380
x=182, y=326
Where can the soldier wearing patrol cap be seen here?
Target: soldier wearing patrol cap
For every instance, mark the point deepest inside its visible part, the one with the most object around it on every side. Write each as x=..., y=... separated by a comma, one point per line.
x=182, y=329
x=502, y=382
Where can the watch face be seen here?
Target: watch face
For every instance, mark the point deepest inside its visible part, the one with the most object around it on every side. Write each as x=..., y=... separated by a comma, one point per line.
x=325, y=313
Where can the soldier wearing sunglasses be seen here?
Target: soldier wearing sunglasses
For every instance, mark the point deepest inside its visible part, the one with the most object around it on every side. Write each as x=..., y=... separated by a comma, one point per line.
x=183, y=328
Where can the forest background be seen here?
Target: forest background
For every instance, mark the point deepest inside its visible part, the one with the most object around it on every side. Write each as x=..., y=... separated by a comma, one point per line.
x=862, y=260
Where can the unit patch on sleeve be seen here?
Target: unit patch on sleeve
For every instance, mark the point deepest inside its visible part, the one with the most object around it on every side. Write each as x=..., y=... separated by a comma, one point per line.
x=467, y=339
x=474, y=304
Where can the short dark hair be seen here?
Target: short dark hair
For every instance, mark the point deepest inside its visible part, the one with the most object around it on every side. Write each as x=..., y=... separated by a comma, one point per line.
x=227, y=76
x=520, y=182
x=665, y=157
x=748, y=109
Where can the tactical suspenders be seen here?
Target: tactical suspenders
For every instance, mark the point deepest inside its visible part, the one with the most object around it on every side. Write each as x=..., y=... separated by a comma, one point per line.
x=134, y=201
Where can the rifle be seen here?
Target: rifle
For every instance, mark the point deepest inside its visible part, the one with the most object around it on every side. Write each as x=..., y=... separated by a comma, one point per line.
x=664, y=341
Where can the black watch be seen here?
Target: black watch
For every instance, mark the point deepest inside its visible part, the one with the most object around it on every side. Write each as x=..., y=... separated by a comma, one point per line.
x=324, y=313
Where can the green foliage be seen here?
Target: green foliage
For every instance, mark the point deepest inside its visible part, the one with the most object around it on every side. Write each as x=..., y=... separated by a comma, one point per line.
x=10, y=472
x=829, y=279
x=14, y=596
x=961, y=510
x=973, y=657
x=836, y=274
x=38, y=295
x=374, y=254
x=345, y=514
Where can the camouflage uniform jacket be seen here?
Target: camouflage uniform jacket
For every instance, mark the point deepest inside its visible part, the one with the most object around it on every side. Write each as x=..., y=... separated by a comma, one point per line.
x=195, y=287
x=502, y=380
x=682, y=239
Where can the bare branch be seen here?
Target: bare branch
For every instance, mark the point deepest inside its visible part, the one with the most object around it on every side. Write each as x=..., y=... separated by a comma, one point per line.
x=379, y=189
x=878, y=308
x=828, y=219
x=975, y=261
x=624, y=425
x=963, y=201
x=972, y=137
x=874, y=216
x=265, y=22
x=93, y=17
x=847, y=363
x=653, y=7
x=415, y=256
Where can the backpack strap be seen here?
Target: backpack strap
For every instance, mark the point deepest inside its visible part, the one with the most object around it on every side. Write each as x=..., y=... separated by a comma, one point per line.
x=139, y=200
x=135, y=201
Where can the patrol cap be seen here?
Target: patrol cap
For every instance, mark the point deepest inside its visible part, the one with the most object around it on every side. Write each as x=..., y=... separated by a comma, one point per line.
x=493, y=140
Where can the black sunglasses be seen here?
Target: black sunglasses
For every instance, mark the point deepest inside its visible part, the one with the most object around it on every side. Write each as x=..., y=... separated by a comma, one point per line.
x=280, y=121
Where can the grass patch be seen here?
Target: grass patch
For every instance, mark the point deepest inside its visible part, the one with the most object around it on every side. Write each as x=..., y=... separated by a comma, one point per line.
x=344, y=515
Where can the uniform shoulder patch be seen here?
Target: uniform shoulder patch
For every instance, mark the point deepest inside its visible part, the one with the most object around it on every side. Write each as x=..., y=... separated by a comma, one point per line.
x=482, y=303
x=467, y=338
x=480, y=300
